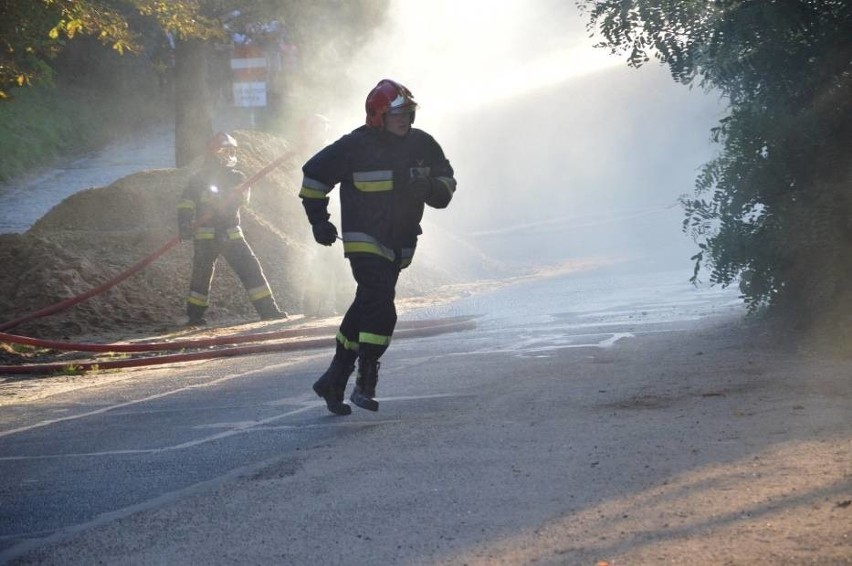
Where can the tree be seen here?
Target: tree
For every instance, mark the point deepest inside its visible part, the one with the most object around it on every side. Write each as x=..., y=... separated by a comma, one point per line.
x=774, y=210
x=32, y=33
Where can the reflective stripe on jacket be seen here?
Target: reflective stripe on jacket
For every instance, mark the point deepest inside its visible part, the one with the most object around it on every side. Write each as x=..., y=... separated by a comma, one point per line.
x=210, y=199
x=379, y=215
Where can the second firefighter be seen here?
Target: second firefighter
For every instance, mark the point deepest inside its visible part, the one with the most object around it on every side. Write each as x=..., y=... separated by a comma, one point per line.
x=209, y=215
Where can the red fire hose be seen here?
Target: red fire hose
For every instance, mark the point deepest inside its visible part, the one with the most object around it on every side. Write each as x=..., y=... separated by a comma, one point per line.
x=67, y=303
x=407, y=329
x=282, y=340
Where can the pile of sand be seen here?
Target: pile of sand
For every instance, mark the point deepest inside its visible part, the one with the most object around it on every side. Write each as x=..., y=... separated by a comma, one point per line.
x=97, y=234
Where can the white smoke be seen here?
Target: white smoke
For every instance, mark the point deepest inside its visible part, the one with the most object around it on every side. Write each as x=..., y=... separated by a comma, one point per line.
x=560, y=150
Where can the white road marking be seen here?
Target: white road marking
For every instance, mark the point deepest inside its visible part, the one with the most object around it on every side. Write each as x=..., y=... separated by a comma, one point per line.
x=234, y=429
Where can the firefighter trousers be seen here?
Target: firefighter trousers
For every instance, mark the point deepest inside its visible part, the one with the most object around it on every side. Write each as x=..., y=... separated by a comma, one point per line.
x=245, y=264
x=368, y=325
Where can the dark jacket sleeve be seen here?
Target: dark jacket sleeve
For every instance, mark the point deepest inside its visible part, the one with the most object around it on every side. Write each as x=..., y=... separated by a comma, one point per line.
x=320, y=174
x=443, y=179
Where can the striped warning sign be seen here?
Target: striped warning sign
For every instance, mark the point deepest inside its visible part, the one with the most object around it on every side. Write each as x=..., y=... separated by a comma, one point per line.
x=248, y=66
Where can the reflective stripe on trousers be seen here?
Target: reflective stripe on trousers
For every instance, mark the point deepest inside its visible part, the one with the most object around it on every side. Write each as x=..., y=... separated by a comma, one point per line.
x=371, y=319
x=239, y=256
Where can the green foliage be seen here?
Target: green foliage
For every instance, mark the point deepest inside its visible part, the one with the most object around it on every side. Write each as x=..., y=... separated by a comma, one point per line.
x=63, y=41
x=18, y=349
x=38, y=125
x=772, y=211
x=71, y=370
x=34, y=32
x=42, y=124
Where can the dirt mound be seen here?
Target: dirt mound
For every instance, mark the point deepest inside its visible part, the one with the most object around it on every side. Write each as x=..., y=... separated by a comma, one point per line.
x=97, y=234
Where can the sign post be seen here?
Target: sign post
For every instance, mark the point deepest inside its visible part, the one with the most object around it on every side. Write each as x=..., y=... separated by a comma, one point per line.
x=248, y=66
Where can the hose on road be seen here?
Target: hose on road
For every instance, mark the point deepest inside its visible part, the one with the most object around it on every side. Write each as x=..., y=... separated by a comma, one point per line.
x=137, y=267
x=300, y=340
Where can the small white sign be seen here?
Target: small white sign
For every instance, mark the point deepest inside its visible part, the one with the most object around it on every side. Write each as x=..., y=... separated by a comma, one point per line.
x=248, y=95
x=252, y=63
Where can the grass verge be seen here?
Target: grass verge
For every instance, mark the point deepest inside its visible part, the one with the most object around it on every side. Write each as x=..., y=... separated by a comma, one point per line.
x=42, y=124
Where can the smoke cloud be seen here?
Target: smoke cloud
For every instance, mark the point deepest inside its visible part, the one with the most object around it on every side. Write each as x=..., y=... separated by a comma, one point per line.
x=561, y=151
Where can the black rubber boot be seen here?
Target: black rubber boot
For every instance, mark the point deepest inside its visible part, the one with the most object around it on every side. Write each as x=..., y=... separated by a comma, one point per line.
x=274, y=315
x=365, y=386
x=332, y=386
x=268, y=309
x=195, y=315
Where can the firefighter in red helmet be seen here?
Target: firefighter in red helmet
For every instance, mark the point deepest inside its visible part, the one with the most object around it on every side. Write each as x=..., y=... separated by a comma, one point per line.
x=209, y=215
x=387, y=171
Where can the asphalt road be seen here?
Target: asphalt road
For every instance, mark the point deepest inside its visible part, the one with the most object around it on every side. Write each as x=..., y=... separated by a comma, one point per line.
x=468, y=444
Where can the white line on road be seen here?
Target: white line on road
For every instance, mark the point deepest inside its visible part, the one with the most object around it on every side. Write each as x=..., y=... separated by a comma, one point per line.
x=235, y=429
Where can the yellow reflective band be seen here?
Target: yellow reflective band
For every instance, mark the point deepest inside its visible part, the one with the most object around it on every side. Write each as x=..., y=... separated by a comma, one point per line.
x=235, y=233
x=308, y=192
x=197, y=299
x=186, y=205
x=377, y=339
x=373, y=181
x=365, y=248
x=311, y=188
x=373, y=186
x=346, y=343
x=259, y=293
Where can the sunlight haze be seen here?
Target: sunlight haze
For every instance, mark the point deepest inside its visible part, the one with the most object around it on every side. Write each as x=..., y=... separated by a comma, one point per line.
x=546, y=132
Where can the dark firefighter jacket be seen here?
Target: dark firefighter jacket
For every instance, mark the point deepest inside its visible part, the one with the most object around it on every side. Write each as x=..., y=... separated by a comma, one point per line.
x=211, y=198
x=379, y=215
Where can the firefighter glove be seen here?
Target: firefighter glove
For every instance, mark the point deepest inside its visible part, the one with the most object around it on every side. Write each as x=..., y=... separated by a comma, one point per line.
x=324, y=232
x=422, y=188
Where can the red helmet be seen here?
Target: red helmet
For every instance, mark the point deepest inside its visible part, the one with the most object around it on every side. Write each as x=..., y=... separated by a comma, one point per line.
x=388, y=97
x=220, y=140
x=223, y=147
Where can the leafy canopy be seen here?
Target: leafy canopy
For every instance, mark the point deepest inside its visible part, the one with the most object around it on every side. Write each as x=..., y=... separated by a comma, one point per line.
x=33, y=32
x=773, y=210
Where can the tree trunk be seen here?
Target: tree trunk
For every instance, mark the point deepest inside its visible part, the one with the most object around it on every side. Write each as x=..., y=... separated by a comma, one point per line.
x=193, y=121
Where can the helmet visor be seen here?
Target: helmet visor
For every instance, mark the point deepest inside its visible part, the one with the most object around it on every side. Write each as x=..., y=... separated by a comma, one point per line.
x=402, y=105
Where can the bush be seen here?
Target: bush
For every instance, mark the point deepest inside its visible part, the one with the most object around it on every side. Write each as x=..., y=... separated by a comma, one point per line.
x=79, y=112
